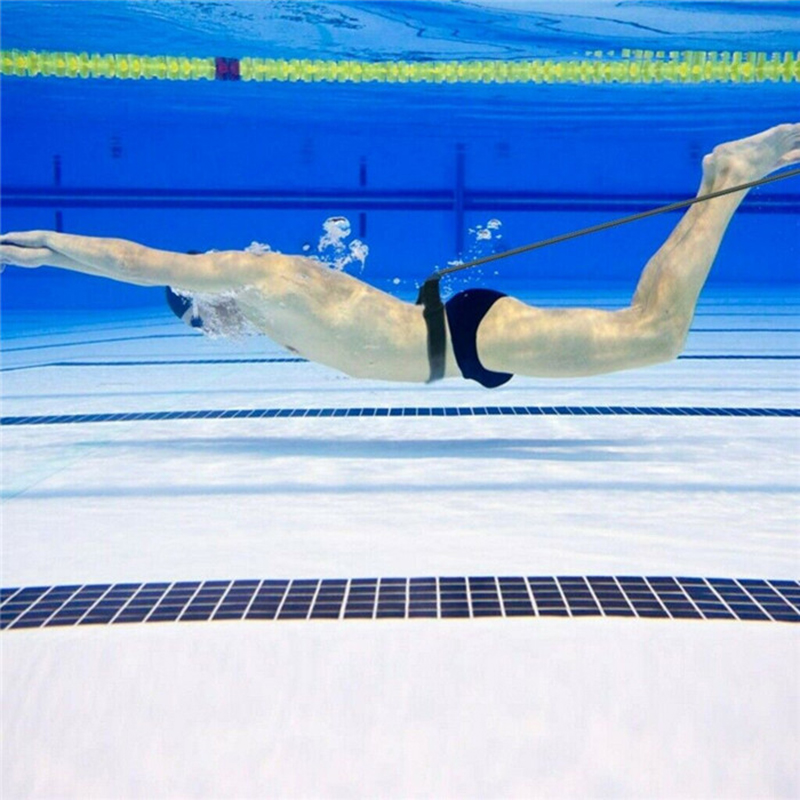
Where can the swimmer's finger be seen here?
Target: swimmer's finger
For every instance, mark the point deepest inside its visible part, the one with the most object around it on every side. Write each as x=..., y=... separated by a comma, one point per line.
x=24, y=238
x=24, y=256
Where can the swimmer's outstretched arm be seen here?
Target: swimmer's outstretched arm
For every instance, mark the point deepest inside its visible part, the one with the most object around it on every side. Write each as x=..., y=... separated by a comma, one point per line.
x=327, y=315
x=129, y=262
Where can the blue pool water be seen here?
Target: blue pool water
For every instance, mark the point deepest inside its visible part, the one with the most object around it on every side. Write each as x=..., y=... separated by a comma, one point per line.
x=419, y=170
x=585, y=526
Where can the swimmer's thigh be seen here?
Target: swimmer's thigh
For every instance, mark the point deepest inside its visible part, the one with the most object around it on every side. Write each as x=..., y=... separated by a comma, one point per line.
x=571, y=342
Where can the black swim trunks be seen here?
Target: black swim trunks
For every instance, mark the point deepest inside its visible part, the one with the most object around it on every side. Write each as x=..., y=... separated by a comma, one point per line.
x=464, y=314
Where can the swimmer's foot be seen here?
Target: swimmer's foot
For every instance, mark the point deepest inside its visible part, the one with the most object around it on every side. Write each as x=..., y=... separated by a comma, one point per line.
x=752, y=158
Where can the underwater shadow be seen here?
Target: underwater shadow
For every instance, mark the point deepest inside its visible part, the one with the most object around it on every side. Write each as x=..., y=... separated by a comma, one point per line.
x=587, y=449
x=206, y=490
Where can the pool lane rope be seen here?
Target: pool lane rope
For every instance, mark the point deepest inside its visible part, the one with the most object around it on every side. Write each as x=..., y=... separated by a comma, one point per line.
x=595, y=68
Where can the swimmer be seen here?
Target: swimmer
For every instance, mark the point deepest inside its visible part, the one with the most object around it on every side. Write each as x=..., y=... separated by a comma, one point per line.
x=337, y=320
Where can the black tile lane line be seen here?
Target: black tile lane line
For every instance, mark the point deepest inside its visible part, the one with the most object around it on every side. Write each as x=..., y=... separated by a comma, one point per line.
x=445, y=597
x=58, y=345
x=296, y=360
x=161, y=363
x=412, y=411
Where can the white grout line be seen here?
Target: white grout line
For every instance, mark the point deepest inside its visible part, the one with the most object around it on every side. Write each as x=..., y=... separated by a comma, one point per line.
x=791, y=603
x=563, y=596
x=500, y=596
x=45, y=621
x=126, y=603
x=252, y=599
x=594, y=596
x=189, y=602
x=283, y=599
x=660, y=601
x=375, y=603
x=11, y=597
x=469, y=596
x=690, y=599
x=531, y=597
x=158, y=602
x=625, y=597
x=314, y=599
x=720, y=598
x=88, y=610
x=345, y=598
x=221, y=601
x=747, y=594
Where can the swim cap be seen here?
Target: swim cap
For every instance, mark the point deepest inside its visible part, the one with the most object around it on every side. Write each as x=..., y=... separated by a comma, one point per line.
x=181, y=306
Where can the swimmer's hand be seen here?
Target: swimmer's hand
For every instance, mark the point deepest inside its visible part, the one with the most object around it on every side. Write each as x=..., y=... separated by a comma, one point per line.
x=26, y=249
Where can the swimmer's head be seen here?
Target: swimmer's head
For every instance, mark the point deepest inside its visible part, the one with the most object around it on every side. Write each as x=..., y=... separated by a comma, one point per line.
x=183, y=308
x=182, y=305
x=214, y=314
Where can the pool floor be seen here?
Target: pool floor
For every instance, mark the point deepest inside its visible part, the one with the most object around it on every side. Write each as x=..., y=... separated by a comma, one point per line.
x=144, y=452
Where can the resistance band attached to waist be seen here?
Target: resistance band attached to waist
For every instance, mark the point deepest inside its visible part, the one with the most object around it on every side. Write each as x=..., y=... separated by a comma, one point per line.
x=433, y=311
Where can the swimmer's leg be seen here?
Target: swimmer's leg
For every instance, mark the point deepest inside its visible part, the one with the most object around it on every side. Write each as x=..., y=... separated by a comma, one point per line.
x=571, y=342
x=673, y=278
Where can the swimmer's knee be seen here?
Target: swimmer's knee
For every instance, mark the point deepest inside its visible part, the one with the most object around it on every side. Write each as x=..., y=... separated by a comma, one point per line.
x=663, y=335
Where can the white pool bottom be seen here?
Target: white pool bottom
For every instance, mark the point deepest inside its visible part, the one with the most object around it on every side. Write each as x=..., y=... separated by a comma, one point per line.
x=494, y=708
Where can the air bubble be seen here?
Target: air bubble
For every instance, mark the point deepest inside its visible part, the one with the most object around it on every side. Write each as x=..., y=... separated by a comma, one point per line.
x=334, y=251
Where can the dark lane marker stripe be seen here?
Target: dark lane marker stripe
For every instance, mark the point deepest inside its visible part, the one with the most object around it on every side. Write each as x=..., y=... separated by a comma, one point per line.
x=295, y=360
x=473, y=597
x=450, y=411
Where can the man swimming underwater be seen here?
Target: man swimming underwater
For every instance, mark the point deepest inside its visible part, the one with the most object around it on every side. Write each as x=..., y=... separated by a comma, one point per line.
x=337, y=320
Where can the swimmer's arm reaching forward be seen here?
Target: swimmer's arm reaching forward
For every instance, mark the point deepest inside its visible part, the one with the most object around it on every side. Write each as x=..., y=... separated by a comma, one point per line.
x=130, y=262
